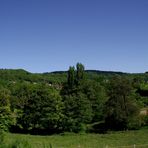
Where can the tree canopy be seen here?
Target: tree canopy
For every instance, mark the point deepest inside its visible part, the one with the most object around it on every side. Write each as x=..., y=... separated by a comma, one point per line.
x=76, y=100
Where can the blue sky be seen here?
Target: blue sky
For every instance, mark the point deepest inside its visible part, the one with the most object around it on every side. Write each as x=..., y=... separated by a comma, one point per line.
x=49, y=35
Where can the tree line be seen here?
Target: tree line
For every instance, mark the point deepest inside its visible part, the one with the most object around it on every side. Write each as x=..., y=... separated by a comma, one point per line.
x=78, y=105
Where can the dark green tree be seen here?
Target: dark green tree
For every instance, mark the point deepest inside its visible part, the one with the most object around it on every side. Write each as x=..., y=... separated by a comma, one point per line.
x=71, y=77
x=97, y=97
x=121, y=106
x=78, y=109
x=78, y=112
x=40, y=109
x=80, y=73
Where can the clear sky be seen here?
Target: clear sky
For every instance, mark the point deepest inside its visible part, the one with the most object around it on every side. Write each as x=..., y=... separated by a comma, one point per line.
x=51, y=35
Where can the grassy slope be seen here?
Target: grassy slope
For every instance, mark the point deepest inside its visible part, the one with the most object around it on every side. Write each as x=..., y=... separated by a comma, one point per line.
x=85, y=140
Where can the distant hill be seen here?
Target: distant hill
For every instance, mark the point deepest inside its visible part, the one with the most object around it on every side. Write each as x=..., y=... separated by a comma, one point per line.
x=105, y=72
x=90, y=71
x=58, y=76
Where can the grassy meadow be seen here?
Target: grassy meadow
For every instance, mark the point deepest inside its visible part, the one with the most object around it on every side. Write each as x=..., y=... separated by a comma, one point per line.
x=69, y=140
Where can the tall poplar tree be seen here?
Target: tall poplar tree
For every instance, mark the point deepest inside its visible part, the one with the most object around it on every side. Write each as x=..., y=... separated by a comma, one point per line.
x=80, y=73
x=71, y=77
x=78, y=109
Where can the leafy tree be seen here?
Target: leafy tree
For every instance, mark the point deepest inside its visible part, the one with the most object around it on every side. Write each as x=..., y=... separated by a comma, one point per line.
x=5, y=112
x=77, y=111
x=97, y=97
x=40, y=110
x=121, y=106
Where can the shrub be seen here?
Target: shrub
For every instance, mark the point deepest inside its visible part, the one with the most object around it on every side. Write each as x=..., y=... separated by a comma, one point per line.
x=134, y=123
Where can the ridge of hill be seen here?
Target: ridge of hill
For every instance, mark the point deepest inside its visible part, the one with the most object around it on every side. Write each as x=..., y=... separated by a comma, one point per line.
x=61, y=72
x=60, y=76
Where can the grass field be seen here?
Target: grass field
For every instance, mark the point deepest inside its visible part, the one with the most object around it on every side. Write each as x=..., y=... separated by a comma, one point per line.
x=114, y=139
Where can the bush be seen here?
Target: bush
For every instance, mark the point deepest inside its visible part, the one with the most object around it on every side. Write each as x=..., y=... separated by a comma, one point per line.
x=134, y=123
x=145, y=119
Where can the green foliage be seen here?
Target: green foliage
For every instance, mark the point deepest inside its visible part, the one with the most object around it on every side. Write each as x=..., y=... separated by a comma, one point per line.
x=47, y=103
x=71, y=77
x=10, y=76
x=145, y=120
x=97, y=96
x=41, y=108
x=121, y=107
x=144, y=86
x=5, y=118
x=5, y=112
x=79, y=74
x=77, y=112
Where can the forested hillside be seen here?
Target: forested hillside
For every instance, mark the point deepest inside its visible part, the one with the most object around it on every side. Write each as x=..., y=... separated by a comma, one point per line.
x=75, y=100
